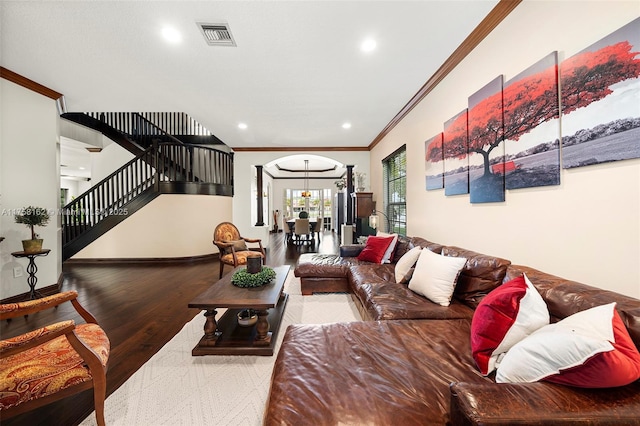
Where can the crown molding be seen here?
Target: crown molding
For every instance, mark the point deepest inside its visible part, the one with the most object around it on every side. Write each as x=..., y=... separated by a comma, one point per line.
x=488, y=24
x=29, y=84
x=302, y=148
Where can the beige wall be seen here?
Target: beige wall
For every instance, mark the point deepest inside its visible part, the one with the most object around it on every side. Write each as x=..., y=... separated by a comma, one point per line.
x=29, y=175
x=169, y=226
x=588, y=227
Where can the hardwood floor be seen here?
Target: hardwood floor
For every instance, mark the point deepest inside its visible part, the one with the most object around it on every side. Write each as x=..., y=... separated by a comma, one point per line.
x=141, y=306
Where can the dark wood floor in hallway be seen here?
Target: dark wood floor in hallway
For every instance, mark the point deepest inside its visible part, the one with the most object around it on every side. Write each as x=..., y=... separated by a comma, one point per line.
x=141, y=306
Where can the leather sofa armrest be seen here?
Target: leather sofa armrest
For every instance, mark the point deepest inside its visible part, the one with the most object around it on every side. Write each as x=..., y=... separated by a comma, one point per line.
x=351, y=250
x=542, y=404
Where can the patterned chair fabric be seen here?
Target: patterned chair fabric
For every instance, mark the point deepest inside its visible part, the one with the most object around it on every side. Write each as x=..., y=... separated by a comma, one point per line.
x=233, y=247
x=52, y=362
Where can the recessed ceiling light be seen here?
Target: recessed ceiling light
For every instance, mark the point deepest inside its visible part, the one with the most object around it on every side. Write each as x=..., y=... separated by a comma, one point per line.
x=368, y=45
x=242, y=126
x=171, y=35
x=346, y=126
x=81, y=168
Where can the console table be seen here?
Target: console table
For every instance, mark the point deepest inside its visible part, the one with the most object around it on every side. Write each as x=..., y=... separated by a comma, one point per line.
x=31, y=269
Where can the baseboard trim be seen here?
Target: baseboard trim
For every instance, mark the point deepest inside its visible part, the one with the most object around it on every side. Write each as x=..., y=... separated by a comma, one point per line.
x=199, y=258
x=45, y=291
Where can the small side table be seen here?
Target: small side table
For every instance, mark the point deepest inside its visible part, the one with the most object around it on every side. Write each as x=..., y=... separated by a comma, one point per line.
x=32, y=269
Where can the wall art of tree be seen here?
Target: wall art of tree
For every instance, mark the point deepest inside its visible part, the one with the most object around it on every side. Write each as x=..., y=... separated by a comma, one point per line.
x=486, y=130
x=531, y=108
x=600, y=87
x=455, y=148
x=434, y=163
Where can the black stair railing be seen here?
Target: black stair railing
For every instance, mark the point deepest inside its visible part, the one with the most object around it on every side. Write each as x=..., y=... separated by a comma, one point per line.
x=137, y=126
x=109, y=196
x=163, y=168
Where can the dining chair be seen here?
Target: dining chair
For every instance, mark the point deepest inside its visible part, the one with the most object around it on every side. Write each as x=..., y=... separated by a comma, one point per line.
x=318, y=228
x=290, y=229
x=302, y=228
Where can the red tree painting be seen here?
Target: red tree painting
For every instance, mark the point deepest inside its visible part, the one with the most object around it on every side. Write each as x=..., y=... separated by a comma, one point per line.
x=486, y=128
x=600, y=109
x=531, y=99
x=434, y=163
x=587, y=77
x=454, y=150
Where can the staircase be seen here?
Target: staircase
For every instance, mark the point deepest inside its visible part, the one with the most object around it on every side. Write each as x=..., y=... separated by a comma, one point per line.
x=163, y=165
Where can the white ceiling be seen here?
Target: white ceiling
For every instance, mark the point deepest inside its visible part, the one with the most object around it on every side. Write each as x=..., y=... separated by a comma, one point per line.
x=296, y=75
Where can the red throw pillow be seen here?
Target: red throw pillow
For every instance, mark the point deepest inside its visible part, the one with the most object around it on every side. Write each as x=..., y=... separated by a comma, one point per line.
x=375, y=249
x=589, y=349
x=504, y=317
x=618, y=367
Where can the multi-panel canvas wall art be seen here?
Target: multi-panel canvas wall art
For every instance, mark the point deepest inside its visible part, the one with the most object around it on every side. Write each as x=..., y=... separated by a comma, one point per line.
x=532, y=126
x=455, y=149
x=600, y=97
x=486, y=150
x=434, y=163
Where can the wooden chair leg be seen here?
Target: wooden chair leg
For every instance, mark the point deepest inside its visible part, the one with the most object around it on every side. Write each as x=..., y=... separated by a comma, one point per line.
x=221, y=268
x=99, y=395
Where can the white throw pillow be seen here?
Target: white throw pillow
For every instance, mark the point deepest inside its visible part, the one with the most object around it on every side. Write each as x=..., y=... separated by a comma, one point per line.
x=406, y=262
x=556, y=347
x=435, y=276
x=389, y=253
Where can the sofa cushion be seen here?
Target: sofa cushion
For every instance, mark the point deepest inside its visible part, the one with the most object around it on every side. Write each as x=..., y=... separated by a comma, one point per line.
x=481, y=274
x=376, y=372
x=435, y=276
x=565, y=297
x=406, y=263
x=589, y=349
x=506, y=316
x=403, y=245
x=384, y=299
x=543, y=404
x=324, y=265
x=421, y=242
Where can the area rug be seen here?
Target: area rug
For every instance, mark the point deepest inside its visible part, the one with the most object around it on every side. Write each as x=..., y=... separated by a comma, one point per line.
x=175, y=388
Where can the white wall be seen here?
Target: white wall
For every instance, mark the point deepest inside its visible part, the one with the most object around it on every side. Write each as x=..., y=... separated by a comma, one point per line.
x=169, y=226
x=29, y=175
x=107, y=161
x=244, y=172
x=586, y=229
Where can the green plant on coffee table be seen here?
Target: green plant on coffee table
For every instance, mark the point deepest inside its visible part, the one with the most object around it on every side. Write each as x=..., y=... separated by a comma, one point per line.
x=33, y=216
x=242, y=278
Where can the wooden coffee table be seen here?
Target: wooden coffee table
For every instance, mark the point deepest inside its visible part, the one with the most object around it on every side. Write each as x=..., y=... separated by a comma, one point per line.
x=226, y=336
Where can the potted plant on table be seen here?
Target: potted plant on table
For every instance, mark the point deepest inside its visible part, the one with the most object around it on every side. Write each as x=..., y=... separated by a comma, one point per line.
x=32, y=217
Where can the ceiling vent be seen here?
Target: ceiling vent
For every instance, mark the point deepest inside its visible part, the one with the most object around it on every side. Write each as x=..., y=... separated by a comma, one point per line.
x=217, y=34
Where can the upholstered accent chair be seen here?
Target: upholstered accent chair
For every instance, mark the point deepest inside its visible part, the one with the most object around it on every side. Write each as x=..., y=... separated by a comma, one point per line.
x=233, y=247
x=53, y=362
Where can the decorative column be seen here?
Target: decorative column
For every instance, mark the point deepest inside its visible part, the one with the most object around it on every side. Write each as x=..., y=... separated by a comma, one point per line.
x=260, y=215
x=349, y=192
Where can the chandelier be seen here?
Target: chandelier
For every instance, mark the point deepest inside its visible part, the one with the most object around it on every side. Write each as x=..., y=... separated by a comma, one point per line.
x=306, y=193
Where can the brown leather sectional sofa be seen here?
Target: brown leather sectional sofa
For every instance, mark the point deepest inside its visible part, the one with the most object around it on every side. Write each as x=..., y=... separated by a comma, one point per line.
x=410, y=363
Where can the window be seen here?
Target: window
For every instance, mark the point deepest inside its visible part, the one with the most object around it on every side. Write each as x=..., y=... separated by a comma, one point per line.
x=394, y=170
x=316, y=205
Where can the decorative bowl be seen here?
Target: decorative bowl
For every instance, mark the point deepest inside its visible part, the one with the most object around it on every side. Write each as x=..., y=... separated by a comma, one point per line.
x=247, y=318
